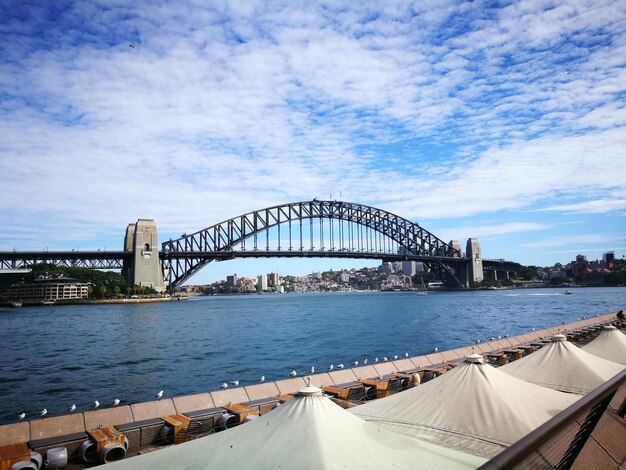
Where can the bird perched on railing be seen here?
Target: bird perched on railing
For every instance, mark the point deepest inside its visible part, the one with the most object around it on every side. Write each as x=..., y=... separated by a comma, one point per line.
x=43, y=413
x=72, y=408
x=224, y=386
x=116, y=402
x=293, y=373
x=159, y=395
x=21, y=416
x=234, y=383
x=95, y=405
x=262, y=379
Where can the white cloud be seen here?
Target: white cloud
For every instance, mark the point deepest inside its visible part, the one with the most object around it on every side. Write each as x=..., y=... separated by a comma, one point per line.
x=227, y=108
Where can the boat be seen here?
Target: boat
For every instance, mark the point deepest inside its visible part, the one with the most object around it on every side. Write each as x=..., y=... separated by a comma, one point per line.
x=567, y=292
x=16, y=304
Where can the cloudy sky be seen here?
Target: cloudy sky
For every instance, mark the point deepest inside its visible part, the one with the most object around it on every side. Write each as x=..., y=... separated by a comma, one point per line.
x=503, y=121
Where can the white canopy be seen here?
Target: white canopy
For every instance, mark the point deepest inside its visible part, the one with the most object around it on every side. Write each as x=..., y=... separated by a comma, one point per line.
x=307, y=432
x=610, y=344
x=473, y=407
x=562, y=366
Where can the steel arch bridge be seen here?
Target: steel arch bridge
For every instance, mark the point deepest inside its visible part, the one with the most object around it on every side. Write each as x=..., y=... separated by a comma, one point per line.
x=352, y=231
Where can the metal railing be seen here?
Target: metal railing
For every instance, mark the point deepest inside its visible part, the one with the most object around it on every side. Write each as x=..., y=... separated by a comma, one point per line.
x=558, y=442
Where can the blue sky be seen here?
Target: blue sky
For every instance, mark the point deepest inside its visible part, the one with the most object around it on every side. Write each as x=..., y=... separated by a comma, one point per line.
x=503, y=121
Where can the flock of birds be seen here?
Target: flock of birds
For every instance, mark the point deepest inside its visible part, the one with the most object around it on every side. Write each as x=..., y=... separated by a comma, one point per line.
x=94, y=406
x=330, y=368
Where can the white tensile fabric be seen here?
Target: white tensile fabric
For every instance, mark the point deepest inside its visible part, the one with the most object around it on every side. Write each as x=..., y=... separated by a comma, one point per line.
x=473, y=407
x=562, y=366
x=307, y=432
x=610, y=344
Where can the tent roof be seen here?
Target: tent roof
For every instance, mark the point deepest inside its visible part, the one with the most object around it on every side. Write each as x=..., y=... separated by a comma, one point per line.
x=307, y=432
x=562, y=366
x=473, y=407
x=610, y=344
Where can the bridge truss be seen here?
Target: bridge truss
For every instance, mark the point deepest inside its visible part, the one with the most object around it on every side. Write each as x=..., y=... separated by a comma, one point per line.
x=311, y=229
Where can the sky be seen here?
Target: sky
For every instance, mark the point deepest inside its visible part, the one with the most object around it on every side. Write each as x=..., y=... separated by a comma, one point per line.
x=502, y=121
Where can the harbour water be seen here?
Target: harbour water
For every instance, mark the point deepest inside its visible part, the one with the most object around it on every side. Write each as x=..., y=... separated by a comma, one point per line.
x=59, y=355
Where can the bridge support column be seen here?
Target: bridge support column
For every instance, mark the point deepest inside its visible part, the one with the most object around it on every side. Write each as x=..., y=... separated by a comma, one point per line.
x=475, y=266
x=145, y=269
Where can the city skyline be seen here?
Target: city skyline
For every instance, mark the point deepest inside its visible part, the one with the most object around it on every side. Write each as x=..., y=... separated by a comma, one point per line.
x=503, y=123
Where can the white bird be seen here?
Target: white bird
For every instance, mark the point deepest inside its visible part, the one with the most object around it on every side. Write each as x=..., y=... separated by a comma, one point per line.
x=71, y=408
x=364, y=362
x=355, y=363
x=436, y=349
x=406, y=354
x=312, y=371
x=330, y=367
x=339, y=366
x=499, y=337
x=262, y=379
x=21, y=416
x=224, y=386
x=116, y=402
x=477, y=341
x=293, y=373
x=96, y=404
x=385, y=359
x=234, y=383
x=493, y=338
x=159, y=395
x=43, y=413
x=533, y=329
x=375, y=360
x=395, y=358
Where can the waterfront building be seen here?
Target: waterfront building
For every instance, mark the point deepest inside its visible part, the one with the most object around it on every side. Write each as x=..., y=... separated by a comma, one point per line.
x=232, y=280
x=48, y=290
x=262, y=282
x=344, y=277
x=409, y=268
x=385, y=268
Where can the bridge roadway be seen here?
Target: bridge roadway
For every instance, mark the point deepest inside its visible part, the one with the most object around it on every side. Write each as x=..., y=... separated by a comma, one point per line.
x=100, y=259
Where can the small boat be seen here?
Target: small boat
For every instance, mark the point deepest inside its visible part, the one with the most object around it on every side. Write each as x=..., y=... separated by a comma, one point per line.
x=422, y=290
x=567, y=292
x=16, y=304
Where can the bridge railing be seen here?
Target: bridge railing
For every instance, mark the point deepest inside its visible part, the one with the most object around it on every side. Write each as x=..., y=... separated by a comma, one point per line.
x=569, y=437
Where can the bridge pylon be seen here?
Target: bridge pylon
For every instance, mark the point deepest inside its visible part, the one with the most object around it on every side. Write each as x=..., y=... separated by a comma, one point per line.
x=145, y=266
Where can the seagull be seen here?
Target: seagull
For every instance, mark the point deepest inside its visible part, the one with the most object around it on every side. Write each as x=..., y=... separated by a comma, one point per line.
x=375, y=360
x=364, y=362
x=262, y=379
x=234, y=383
x=159, y=395
x=533, y=329
x=339, y=366
x=224, y=386
x=477, y=341
x=43, y=413
x=395, y=358
x=72, y=408
x=385, y=359
x=21, y=416
x=406, y=354
x=436, y=349
x=96, y=404
x=116, y=402
x=355, y=363
x=130, y=45
x=312, y=371
x=293, y=373
x=330, y=367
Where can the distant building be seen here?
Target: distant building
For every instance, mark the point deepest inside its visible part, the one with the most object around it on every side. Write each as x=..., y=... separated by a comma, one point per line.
x=232, y=280
x=262, y=282
x=273, y=279
x=47, y=290
x=316, y=275
x=608, y=257
x=385, y=268
x=344, y=277
x=409, y=268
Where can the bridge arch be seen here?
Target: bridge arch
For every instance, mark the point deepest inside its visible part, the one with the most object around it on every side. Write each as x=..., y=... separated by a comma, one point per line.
x=200, y=247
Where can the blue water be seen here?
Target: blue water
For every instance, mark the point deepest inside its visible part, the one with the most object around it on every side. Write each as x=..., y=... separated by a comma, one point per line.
x=55, y=356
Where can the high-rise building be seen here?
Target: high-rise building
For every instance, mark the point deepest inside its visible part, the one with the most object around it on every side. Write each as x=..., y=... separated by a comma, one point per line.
x=262, y=282
x=232, y=280
x=608, y=257
x=273, y=279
